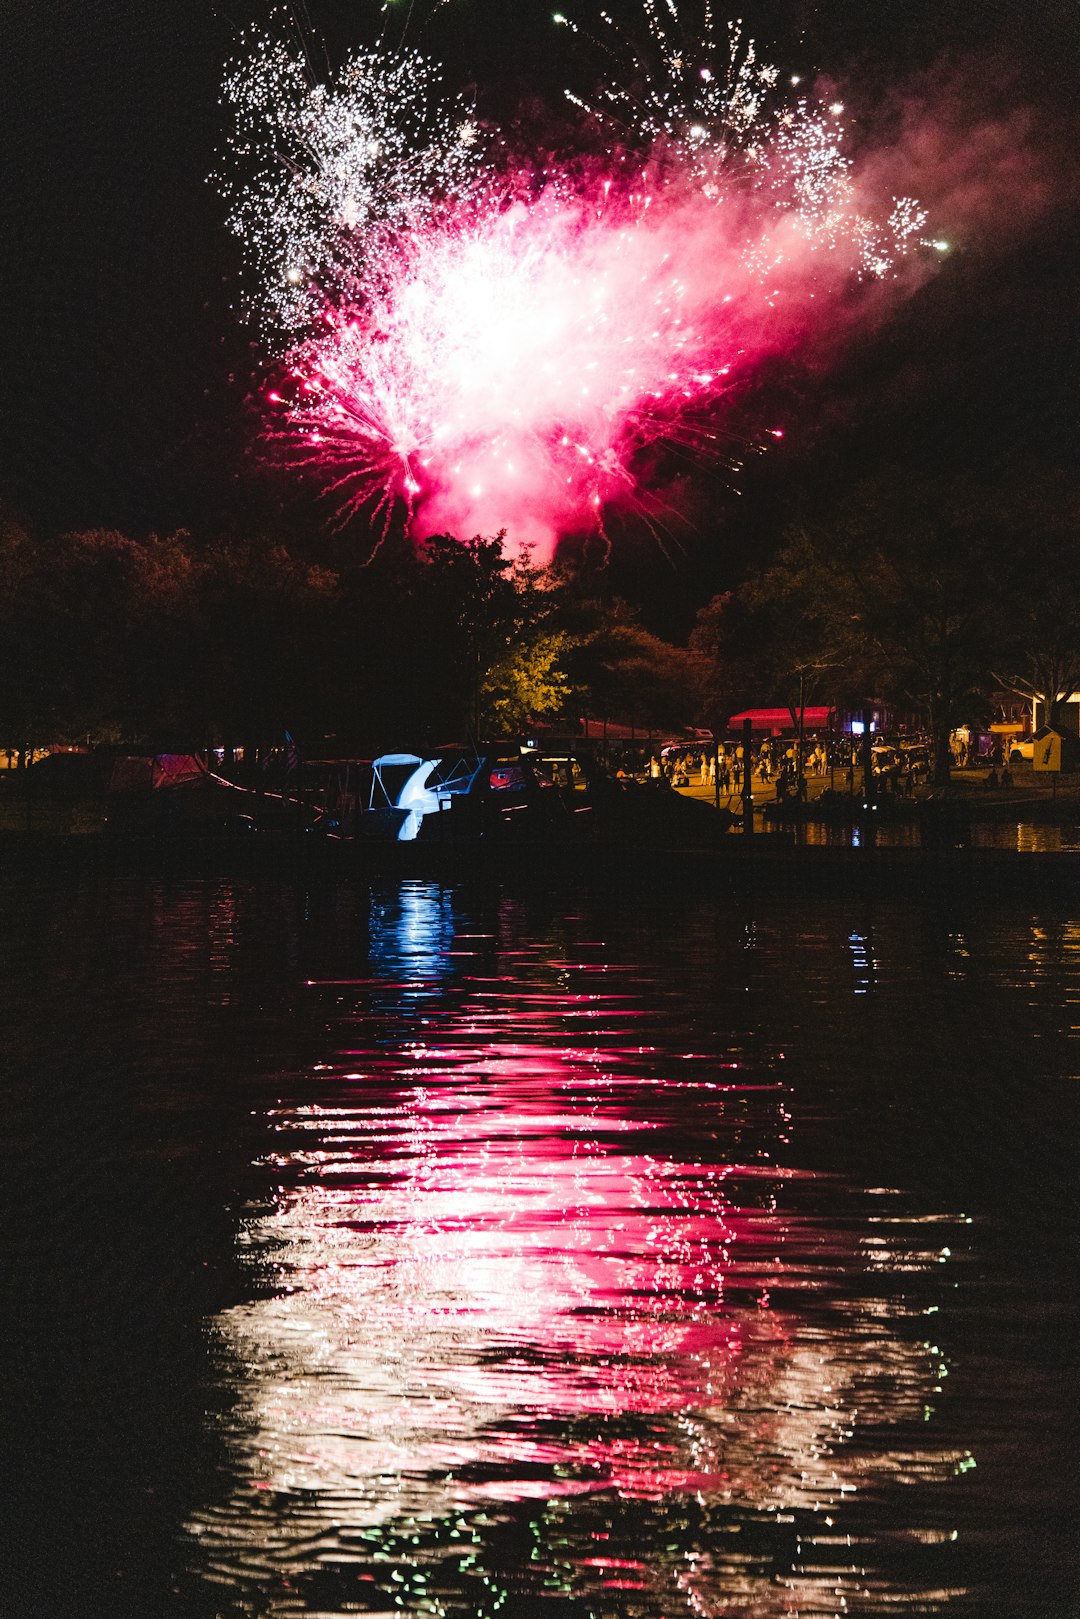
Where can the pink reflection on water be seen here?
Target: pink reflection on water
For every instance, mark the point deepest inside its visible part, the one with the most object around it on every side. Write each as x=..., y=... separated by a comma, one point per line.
x=472, y=1253
x=479, y=1260
x=509, y=1266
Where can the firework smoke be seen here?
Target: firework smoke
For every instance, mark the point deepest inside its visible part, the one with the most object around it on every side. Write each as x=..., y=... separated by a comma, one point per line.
x=481, y=348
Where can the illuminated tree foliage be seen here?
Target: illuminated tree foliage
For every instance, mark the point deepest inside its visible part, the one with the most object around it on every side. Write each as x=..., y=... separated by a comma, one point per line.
x=529, y=683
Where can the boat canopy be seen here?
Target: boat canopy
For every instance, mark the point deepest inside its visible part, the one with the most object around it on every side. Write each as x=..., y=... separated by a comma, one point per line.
x=399, y=781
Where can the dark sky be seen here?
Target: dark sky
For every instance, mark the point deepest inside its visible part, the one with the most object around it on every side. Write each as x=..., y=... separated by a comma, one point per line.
x=118, y=344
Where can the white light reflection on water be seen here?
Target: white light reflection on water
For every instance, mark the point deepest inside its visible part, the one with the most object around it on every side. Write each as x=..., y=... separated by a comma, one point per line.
x=500, y=1277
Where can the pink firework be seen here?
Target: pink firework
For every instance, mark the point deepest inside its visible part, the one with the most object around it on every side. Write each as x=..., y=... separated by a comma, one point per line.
x=483, y=364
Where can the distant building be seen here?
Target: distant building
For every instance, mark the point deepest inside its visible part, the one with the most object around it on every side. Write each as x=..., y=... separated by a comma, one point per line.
x=1067, y=718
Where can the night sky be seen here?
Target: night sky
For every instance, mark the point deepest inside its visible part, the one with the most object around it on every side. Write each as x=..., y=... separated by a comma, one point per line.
x=127, y=374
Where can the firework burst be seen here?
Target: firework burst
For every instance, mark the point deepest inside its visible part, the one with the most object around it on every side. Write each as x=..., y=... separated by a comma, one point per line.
x=325, y=182
x=482, y=352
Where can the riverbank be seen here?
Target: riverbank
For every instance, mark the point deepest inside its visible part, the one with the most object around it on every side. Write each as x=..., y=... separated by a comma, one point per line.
x=973, y=834
x=1033, y=795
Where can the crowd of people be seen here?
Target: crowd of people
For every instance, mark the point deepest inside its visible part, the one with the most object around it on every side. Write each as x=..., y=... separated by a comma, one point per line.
x=901, y=768
x=774, y=760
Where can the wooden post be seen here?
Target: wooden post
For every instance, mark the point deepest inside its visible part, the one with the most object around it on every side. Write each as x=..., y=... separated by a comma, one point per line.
x=747, y=780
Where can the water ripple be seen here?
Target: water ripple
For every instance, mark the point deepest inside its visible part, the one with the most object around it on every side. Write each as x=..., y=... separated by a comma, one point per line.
x=511, y=1262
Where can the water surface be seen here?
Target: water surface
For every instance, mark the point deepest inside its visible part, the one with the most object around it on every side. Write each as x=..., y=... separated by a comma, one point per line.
x=520, y=1248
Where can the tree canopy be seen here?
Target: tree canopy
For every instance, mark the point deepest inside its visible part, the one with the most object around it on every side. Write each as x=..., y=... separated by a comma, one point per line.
x=927, y=593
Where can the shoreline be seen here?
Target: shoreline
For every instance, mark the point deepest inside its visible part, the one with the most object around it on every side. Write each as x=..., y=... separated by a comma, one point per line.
x=734, y=862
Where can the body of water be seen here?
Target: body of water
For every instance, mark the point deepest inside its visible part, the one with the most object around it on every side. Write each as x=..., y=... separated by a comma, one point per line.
x=1017, y=837
x=535, y=1248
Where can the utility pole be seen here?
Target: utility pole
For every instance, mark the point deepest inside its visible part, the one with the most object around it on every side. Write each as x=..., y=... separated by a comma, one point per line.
x=800, y=777
x=868, y=762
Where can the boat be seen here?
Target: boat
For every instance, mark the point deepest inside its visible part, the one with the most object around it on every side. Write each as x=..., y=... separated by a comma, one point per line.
x=507, y=792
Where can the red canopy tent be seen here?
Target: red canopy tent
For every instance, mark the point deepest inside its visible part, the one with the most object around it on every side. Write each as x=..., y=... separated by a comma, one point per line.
x=775, y=720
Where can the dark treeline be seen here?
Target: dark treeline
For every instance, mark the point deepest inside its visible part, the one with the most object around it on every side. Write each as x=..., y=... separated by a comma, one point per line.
x=928, y=594
x=931, y=593
x=176, y=642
